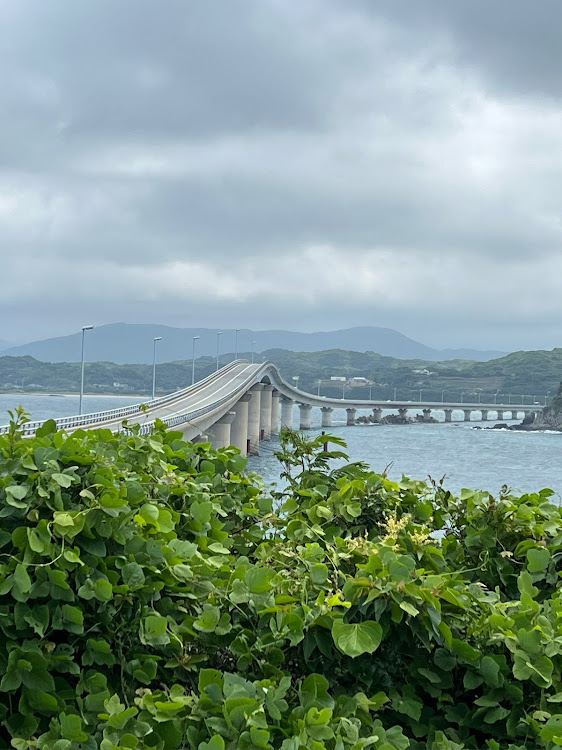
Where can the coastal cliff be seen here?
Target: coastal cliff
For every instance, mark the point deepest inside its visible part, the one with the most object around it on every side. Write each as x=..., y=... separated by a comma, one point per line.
x=550, y=418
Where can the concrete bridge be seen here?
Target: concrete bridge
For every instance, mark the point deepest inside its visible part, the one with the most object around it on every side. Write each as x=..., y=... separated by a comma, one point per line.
x=243, y=404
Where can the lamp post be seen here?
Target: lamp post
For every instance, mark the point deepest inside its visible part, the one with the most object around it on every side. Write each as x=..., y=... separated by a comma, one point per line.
x=370, y=393
x=421, y=391
x=236, y=343
x=219, y=334
x=157, y=338
x=462, y=396
x=395, y=394
x=193, y=361
x=509, y=402
x=84, y=329
x=253, y=344
x=546, y=397
x=442, y=396
x=318, y=383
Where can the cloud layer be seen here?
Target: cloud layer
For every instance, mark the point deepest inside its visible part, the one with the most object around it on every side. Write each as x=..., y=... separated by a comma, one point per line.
x=311, y=165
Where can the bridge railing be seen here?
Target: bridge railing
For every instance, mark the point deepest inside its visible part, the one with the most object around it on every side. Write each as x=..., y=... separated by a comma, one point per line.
x=121, y=412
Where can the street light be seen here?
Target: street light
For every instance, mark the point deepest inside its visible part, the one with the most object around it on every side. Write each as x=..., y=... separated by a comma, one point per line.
x=395, y=394
x=546, y=397
x=421, y=390
x=219, y=334
x=462, y=396
x=236, y=343
x=442, y=396
x=370, y=393
x=509, y=402
x=253, y=344
x=84, y=329
x=318, y=383
x=157, y=338
x=193, y=361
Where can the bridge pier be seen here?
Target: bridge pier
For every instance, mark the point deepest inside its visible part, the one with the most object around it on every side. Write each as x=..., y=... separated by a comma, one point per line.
x=220, y=431
x=305, y=410
x=275, y=398
x=426, y=415
x=377, y=414
x=239, y=428
x=287, y=405
x=254, y=408
x=326, y=416
x=484, y=413
x=403, y=412
x=265, y=412
x=514, y=413
x=351, y=416
x=448, y=415
x=499, y=415
x=467, y=414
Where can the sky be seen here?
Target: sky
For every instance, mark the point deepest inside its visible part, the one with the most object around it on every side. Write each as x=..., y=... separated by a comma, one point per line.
x=309, y=165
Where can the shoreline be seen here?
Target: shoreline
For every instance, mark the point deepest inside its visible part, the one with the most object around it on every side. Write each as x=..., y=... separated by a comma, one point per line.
x=76, y=395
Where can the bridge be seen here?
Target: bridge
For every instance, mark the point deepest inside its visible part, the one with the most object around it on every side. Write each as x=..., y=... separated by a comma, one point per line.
x=243, y=404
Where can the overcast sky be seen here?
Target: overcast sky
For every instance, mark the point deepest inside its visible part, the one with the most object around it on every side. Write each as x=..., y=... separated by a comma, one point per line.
x=297, y=164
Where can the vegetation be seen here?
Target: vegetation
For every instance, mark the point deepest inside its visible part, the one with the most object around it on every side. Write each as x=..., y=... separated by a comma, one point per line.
x=152, y=595
x=521, y=374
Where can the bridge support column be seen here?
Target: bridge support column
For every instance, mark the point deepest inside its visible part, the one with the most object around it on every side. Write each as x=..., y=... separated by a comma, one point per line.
x=426, y=415
x=254, y=408
x=448, y=415
x=326, y=416
x=239, y=428
x=351, y=416
x=275, y=398
x=220, y=431
x=514, y=413
x=305, y=410
x=287, y=405
x=499, y=416
x=484, y=415
x=403, y=412
x=377, y=414
x=265, y=412
x=467, y=414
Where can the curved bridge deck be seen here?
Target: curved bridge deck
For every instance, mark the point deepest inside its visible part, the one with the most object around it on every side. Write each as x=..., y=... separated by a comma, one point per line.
x=239, y=405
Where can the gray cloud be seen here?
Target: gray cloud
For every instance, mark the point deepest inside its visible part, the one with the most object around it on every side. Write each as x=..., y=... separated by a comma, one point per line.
x=405, y=158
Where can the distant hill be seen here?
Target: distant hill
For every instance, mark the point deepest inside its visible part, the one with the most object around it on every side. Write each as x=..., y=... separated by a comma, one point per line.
x=126, y=343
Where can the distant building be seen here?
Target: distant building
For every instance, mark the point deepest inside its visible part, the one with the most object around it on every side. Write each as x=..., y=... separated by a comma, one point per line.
x=340, y=380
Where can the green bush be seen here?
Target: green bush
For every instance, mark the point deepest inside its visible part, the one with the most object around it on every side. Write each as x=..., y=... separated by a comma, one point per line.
x=152, y=595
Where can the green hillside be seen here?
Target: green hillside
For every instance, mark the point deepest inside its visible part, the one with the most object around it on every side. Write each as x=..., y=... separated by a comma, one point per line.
x=521, y=374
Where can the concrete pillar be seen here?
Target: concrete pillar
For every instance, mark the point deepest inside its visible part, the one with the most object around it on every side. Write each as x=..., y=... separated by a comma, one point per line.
x=377, y=414
x=351, y=416
x=403, y=412
x=466, y=415
x=500, y=415
x=204, y=438
x=275, y=398
x=448, y=415
x=220, y=431
x=287, y=405
x=239, y=428
x=254, y=408
x=514, y=413
x=326, y=416
x=305, y=410
x=265, y=412
x=426, y=415
x=484, y=415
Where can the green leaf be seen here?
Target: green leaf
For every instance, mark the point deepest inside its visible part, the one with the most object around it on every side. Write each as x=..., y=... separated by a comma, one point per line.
x=258, y=580
x=63, y=480
x=22, y=579
x=319, y=573
x=356, y=639
x=17, y=491
x=133, y=575
x=103, y=590
x=537, y=560
x=215, y=743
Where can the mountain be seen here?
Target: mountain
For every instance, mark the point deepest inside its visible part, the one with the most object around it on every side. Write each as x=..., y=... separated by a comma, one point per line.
x=133, y=343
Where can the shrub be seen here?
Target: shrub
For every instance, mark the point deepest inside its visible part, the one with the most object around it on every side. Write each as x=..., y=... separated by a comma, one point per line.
x=152, y=595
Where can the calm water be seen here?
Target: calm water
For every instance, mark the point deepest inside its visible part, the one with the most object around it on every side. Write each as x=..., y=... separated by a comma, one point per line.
x=478, y=459
x=468, y=457
x=59, y=405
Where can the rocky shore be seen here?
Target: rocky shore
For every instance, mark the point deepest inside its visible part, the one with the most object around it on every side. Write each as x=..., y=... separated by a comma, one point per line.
x=395, y=419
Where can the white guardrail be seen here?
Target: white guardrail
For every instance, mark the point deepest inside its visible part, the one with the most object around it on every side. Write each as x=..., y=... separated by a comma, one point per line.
x=110, y=415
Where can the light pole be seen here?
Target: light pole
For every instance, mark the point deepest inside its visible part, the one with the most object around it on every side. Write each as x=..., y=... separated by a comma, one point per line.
x=462, y=396
x=370, y=393
x=193, y=361
x=253, y=344
x=546, y=397
x=395, y=394
x=236, y=343
x=219, y=334
x=157, y=338
x=84, y=329
x=318, y=383
x=442, y=396
x=421, y=391
x=509, y=402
